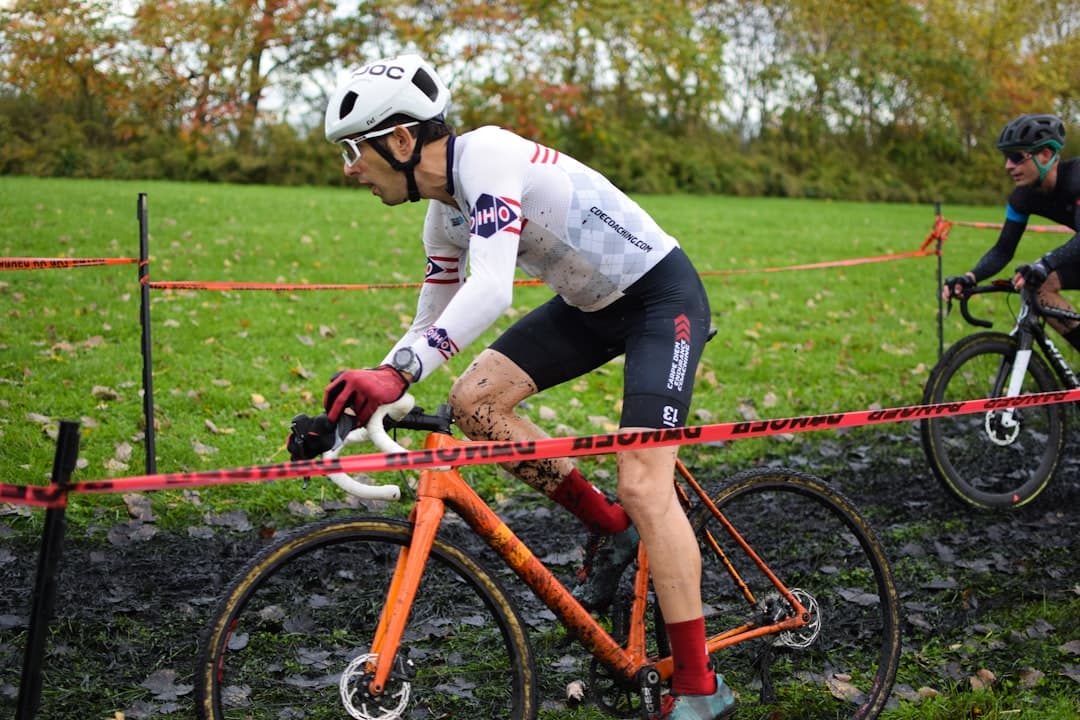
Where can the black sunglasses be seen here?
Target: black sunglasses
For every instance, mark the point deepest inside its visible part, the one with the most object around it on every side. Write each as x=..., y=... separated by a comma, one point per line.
x=1017, y=156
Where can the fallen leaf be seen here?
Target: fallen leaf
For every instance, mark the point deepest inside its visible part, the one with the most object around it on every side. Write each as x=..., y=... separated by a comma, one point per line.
x=307, y=509
x=1029, y=677
x=603, y=422
x=125, y=533
x=101, y=392
x=841, y=688
x=234, y=520
x=747, y=410
x=1072, y=647
x=982, y=678
x=123, y=452
x=163, y=684
x=215, y=429
x=138, y=506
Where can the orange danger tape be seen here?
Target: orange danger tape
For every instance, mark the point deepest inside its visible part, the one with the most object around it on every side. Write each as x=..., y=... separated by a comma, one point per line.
x=479, y=453
x=29, y=263
x=1030, y=228
x=280, y=287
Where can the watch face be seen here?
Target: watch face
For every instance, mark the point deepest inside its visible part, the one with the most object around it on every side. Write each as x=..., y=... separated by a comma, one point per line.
x=405, y=359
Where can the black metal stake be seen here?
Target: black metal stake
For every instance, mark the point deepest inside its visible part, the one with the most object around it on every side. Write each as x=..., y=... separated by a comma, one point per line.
x=144, y=320
x=940, y=283
x=44, y=596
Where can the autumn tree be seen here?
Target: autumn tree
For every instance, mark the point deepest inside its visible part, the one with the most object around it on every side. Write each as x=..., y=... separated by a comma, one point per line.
x=216, y=59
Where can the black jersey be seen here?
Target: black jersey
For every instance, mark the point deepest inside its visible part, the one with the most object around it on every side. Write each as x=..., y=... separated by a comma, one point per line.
x=1062, y=205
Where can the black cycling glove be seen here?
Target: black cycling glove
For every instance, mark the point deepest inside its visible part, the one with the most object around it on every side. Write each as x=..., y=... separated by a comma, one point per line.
x=1034, y=274
x=310, y=437
x=964, y=281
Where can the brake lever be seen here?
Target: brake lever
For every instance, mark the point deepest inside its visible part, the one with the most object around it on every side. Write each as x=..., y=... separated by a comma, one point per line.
x=346, y=424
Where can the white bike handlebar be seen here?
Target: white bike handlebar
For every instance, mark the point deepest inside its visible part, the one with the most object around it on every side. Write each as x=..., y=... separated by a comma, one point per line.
x=376, y=434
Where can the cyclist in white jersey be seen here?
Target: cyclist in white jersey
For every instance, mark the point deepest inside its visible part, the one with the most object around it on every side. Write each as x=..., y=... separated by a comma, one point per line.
x=622, y=286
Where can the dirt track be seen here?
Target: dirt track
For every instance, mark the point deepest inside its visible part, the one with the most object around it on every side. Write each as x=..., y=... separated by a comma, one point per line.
x=131, y=600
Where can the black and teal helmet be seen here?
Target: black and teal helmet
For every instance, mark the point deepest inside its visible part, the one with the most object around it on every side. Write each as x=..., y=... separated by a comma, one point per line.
x=1032, y=132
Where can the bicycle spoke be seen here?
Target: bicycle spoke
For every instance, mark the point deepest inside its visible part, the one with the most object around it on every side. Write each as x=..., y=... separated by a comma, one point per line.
x=309, y=617
x=997, y=459
x=843, y=663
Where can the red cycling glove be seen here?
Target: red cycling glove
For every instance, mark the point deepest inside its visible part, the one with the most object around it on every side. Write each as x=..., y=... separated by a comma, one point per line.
x=364, y=391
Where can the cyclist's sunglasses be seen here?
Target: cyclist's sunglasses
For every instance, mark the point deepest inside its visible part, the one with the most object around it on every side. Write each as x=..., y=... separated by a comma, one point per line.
x=1017, y=156
x=351, y=146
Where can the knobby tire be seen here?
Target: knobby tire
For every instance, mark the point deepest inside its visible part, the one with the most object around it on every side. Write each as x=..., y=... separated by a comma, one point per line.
x=962, y=454
x=813, y=539
x=304, y=607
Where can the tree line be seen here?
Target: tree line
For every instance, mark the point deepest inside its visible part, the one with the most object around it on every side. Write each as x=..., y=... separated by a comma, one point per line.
x=895, y=100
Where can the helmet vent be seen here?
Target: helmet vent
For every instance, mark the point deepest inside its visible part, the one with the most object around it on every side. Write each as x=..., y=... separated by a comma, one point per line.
x=347, y=104
x=426, y=84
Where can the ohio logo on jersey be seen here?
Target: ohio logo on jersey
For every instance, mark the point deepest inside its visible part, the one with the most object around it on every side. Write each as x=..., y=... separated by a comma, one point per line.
x=491, y=214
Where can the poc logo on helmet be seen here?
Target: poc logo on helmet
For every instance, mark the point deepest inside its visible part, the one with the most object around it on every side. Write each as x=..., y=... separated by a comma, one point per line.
x=394, y=72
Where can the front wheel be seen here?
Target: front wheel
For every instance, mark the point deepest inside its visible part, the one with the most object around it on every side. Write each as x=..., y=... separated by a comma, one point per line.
x=1002, y=458
x=300, y=616
x=843, y=662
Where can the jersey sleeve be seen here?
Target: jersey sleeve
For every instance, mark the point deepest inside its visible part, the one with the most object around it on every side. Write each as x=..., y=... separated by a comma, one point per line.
x=448, y=321
x=444, y=275
x=998, y=256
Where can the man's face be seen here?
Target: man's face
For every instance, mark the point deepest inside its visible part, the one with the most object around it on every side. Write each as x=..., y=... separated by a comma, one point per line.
x=370, y=169
x=1021, y=166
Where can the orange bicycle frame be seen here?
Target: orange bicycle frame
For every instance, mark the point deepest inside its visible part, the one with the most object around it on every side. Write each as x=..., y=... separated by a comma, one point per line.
x=439, y=488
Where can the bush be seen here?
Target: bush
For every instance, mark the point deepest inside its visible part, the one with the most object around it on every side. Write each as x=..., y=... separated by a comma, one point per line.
x=797, y=156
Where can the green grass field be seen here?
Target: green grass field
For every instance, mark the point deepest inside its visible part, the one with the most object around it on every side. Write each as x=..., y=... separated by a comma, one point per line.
x=230, y=368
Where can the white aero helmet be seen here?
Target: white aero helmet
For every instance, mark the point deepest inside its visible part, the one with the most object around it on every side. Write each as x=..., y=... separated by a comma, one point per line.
x=400, y=87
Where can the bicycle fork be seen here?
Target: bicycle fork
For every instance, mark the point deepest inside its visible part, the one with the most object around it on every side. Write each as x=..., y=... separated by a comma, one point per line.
x=427, y=515
x=1002, y=425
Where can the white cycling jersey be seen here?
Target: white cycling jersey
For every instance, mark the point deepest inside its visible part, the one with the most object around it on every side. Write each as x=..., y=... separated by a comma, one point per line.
x=520, y=204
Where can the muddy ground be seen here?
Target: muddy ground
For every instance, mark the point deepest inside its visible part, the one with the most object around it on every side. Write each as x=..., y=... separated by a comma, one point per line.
x=131, y=599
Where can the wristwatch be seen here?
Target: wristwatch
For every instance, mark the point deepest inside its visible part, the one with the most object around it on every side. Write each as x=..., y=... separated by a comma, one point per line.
x=405, y=360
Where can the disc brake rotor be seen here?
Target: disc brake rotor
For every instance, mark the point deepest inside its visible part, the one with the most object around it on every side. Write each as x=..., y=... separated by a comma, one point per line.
x=1002, y=426
x=802, y=637
x=358, y=700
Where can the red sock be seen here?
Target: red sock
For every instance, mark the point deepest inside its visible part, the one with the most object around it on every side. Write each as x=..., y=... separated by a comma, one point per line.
x=692, y=675
x=589, y=505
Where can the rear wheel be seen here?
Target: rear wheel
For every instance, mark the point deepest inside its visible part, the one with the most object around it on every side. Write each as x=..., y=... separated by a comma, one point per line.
x=843, y=663
x=301, y=615
x=1001, y=458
